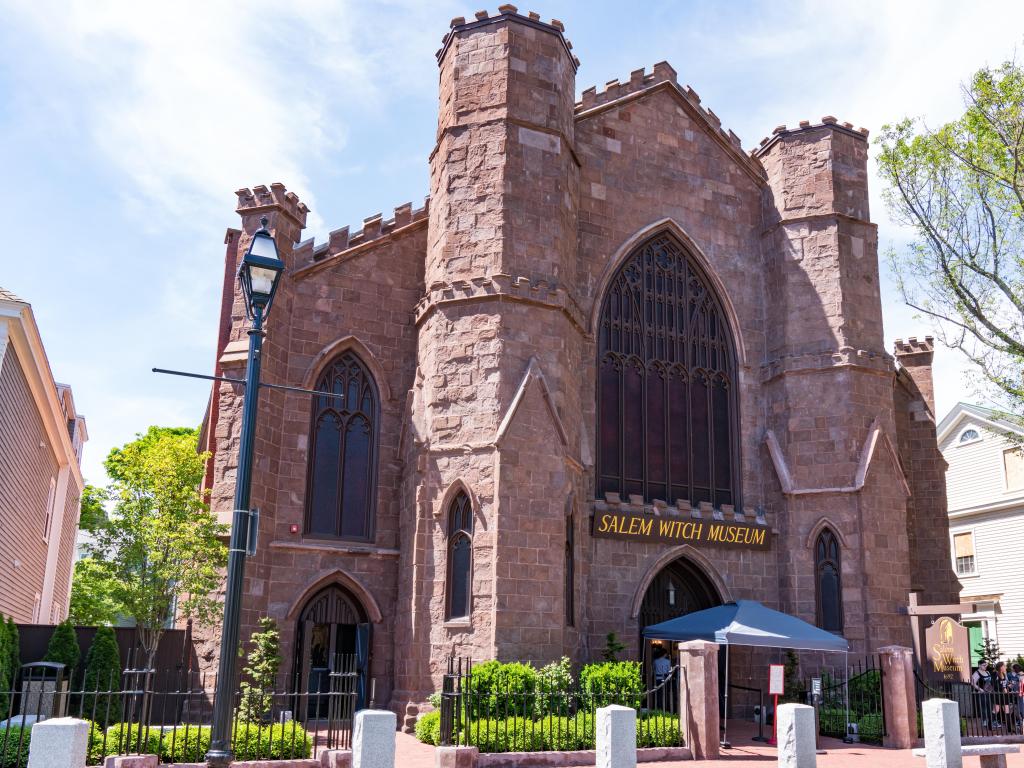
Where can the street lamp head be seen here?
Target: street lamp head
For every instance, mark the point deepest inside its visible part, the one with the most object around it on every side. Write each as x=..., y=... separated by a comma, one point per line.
x=259, y=271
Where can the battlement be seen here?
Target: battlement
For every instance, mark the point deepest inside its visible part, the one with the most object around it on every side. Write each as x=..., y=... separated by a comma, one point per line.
x=506, y=12
x=640, y=80
x=260, y=199
x=374, y=227
x=914, y=346
x=806, y=125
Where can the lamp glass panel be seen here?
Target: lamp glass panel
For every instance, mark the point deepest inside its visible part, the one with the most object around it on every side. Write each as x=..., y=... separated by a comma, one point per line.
x=264, y=246
x=262, y=279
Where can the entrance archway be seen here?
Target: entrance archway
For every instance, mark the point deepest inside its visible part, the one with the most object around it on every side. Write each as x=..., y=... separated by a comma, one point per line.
x=332, y=636
x=679, y=588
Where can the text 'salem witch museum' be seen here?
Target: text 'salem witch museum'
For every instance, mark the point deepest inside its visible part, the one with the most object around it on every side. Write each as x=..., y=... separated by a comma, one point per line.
x=615, y=369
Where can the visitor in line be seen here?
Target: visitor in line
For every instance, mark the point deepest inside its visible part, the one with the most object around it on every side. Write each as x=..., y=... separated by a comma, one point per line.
x=1015, y=677
x=1001, y=682
x=981, y=681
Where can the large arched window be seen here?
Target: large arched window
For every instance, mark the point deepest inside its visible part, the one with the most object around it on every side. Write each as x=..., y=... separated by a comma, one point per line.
x=666, y=390
x=460, y=557
x=828, y=582
x=341, y=484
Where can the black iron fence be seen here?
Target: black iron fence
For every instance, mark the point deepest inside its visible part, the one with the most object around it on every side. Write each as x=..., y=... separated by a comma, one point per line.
x=168, y=713
x=983, y=714
x=851, y=704
x=504, y=716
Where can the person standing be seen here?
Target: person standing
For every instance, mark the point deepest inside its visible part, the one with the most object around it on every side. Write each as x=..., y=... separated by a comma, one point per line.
x=1016, y=678
x=1001, y=682
x=981, y=681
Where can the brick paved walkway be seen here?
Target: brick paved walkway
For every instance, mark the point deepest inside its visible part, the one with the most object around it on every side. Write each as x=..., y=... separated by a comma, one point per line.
x=410, y=753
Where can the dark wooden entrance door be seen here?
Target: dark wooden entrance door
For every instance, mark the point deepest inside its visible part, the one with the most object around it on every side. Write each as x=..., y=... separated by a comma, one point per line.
x=333, y=637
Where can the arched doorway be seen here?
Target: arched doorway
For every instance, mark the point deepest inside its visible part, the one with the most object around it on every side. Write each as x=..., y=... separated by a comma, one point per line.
x=332, y=636
x=680, y=587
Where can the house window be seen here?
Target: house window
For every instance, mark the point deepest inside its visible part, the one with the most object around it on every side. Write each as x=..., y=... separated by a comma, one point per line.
x=460, y=557
x=828, y=582
x=666, y=389
x=37, y=602
x=570, y=569
x=341, y=486
x=969, y=435
x=1013, y=465
x=963, y=553
x=51, y=499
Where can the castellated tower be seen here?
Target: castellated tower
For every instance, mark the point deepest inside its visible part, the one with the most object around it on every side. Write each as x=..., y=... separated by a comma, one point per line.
x=494, y=414
x=831, y=430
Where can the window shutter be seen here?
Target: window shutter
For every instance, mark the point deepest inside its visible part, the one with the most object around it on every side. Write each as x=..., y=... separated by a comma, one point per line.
x=963, y=545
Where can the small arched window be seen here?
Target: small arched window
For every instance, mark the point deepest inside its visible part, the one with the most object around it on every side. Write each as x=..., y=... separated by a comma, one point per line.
x=342, y=473
x=460, y=557
x=828, y=582
x=969, y=435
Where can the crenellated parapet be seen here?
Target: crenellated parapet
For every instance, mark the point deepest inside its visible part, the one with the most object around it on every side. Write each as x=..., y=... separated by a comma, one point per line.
x=262, y=199
x=505, y=12
x=342, y=242
x=828, y=121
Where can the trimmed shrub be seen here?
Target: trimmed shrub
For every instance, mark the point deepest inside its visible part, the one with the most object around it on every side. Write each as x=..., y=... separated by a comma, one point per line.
x=280, y=741
x=63, y=647
x=102, y=673
x=554, y=734
x=14, y=741
x=870, y=727
x=428, y=728
x=832, y=721
x=612, y=682
x=14, y=646
x=554, y=683
x=501, y=689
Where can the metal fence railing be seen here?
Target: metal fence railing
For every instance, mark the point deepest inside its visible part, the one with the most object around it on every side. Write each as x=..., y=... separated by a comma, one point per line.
x=983, y=714
x=168, y=713
x=503, y=716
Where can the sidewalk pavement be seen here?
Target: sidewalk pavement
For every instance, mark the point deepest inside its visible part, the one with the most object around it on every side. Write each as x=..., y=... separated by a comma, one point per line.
x=410, y=753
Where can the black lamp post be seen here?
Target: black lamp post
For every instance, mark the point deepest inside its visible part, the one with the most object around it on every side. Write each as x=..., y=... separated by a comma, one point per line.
x=258, y=273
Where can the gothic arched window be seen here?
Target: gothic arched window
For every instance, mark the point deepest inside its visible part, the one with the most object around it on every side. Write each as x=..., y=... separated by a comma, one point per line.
x=666, y=389
x=460, y=557
x=570, y=571
x=828, y=582
x=341, y=481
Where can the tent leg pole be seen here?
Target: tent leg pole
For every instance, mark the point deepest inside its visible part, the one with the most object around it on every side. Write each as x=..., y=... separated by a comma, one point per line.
x=846, y=694
x=725, y=734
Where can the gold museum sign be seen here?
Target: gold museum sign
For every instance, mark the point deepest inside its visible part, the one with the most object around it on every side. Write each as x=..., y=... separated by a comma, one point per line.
x=948, y=651
x=637, y=526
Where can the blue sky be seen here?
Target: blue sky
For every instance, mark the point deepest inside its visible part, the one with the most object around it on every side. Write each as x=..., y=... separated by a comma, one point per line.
x=125, y=128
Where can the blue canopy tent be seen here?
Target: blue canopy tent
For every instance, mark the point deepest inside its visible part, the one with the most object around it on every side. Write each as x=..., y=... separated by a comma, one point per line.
x=747, y=622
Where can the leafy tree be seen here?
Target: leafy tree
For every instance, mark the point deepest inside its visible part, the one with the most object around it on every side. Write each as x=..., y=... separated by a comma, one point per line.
x=14, y=646
x=160, y=546
x=103, y=673
x=961, y=188
x=93, y=600
x=612, y=647
x=988, y=650
x=6, y=673
x=63, y=647
x=262, y=665
x=793, y=686
x=93, y=512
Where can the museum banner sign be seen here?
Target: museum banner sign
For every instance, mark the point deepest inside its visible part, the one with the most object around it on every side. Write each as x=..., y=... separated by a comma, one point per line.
x=948, y=650
x=637, y=526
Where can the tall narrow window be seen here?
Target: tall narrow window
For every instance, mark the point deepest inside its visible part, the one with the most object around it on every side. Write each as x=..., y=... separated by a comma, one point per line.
x=460, y=557
x=829, y=585
x=51, y=499
x=341, y=485
x=570, y=571
x=666, y=382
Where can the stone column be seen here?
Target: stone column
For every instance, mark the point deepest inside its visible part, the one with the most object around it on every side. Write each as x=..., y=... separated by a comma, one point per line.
x=373, y=739
x=616, y=737
x=698, y=698
x=797, y=736
x=59, y=743
x=942, y=734
x=899, y=697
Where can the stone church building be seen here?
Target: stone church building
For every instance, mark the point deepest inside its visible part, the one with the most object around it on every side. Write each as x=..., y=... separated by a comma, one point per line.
x=615, y=369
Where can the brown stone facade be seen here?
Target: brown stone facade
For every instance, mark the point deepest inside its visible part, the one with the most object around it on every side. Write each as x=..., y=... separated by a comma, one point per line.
x=477, y=316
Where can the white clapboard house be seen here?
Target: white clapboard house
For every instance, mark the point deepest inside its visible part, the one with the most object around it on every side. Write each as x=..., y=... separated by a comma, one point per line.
x=985, y=490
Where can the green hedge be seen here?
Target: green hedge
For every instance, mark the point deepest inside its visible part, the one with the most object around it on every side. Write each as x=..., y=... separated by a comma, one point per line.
x=185, y=744
x=501, y=689
x=428, y=728
x=14, y=742
x=553, y=734
x=613, y=681
x=871, y=727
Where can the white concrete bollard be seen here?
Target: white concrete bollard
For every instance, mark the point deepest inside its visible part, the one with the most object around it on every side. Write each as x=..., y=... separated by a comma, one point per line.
x=616, y=737
x=60, y=742
x=797, y=737
x=942, y=734
x=373, y=739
